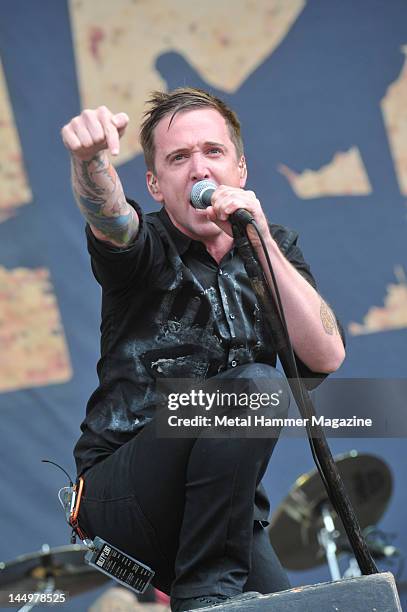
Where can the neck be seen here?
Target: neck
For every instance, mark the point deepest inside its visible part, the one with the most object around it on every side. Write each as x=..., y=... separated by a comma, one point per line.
x=219, y=247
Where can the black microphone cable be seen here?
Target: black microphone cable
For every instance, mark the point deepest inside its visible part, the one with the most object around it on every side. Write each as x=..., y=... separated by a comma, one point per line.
x=280, y=312
x=201, y=198
x=336, y=490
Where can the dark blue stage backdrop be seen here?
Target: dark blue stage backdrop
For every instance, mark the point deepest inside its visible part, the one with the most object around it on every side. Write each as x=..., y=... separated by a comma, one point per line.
x=324, y=120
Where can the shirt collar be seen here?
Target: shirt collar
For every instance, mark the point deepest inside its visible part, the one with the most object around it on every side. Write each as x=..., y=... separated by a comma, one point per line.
x=181, y=240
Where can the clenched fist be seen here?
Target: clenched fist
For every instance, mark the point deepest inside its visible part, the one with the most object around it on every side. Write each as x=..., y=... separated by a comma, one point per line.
x=93, y=131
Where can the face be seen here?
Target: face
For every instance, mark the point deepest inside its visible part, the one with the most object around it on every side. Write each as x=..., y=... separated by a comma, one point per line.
x=196, y=146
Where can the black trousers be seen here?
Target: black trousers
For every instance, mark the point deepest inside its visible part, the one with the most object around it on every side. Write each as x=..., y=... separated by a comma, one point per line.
x=185, y=506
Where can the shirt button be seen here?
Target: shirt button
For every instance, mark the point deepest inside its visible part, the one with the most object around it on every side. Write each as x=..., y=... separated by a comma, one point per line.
x=233, y=363
x=231, y=316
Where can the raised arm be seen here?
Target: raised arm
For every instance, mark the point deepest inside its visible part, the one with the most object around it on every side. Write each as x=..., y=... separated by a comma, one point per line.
x=89, y=138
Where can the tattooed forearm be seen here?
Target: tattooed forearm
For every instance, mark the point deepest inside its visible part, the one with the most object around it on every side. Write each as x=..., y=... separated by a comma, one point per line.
x=101, y=199
x=84, y=174
x=328, y=319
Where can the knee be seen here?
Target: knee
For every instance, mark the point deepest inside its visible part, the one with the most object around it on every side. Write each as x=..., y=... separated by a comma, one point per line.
x=272, y=395
x=268, y=388
x=257, y=371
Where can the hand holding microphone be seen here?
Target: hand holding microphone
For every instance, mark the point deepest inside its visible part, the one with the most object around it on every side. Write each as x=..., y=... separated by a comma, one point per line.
x=201, y=198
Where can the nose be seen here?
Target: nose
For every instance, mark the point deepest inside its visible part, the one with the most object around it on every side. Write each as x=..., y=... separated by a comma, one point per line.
x=199, y=167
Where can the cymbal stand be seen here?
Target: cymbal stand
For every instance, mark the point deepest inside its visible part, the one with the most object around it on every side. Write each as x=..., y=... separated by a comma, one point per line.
x=49, y=589
x=326, y=537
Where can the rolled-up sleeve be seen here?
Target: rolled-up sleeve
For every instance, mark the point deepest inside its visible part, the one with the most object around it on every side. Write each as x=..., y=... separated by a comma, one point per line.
x=116, y=267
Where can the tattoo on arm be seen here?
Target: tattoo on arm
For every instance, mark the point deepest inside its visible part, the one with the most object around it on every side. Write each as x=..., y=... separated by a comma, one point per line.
x=101, y=199
x=328, y=319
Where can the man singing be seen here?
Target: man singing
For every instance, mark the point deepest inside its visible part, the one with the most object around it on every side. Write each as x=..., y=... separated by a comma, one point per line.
x=177, y=304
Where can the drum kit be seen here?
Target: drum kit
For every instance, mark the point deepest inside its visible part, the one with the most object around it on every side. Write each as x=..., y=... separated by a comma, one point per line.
x=305, y=532
x=47, y=576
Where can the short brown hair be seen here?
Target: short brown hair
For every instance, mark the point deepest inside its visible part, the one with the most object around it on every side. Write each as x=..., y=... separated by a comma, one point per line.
x=183, y=99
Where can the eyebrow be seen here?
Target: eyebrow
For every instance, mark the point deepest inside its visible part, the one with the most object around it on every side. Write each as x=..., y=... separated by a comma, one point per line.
x=185, y=149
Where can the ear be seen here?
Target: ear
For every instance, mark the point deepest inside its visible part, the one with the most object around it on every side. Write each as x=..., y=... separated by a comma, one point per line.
x=153, y=186
x=242, y=172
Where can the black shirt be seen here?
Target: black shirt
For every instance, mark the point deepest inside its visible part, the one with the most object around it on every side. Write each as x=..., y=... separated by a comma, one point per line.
x=169, y=310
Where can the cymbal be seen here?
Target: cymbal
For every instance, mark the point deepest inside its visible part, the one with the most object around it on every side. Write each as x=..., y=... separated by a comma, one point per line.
x=295, y=525
x=64, y=565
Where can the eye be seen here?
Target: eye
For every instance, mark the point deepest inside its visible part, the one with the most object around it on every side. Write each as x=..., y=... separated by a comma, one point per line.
x=179, y=157
x=214, y=150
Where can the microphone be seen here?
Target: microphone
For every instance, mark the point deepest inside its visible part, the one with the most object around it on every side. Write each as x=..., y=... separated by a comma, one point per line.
x=201, y=194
